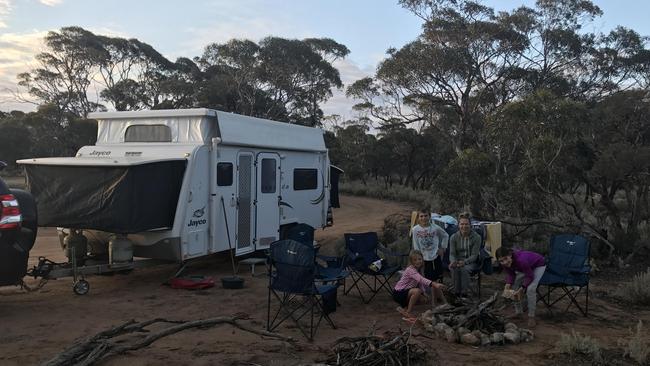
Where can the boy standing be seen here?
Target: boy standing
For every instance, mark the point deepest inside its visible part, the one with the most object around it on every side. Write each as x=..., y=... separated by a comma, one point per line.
x=431, y=240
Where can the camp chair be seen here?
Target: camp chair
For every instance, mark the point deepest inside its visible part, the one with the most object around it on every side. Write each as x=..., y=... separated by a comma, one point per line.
x=567, y=270
x=292, y=282
x=362, y=250
x=328, y=268
x=303, y=233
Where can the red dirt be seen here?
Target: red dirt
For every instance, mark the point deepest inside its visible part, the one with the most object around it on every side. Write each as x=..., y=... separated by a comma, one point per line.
x=34, y=327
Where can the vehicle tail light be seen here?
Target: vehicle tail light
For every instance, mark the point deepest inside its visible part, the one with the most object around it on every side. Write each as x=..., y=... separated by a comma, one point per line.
x=10, y=217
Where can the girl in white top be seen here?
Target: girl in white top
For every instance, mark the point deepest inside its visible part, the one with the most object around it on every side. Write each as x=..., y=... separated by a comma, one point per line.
x=432, y=241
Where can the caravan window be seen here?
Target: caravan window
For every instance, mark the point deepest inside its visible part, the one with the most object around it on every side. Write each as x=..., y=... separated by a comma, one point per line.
x=224, y=174
x=268, y=175
x=148, y=133
x=304, y=179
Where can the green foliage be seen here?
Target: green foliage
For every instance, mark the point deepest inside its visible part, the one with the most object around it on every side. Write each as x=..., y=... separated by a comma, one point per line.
x=277, y=78
x=636, y=291
x=637, y=347
x=462, y=181
x=43, y=133
x=579, y=344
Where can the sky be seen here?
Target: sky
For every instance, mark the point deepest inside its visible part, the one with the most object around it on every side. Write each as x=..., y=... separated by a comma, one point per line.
x=183, y=28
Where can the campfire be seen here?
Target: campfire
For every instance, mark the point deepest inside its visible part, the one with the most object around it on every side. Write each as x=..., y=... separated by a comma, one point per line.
x=475, y=325
x=375, y=350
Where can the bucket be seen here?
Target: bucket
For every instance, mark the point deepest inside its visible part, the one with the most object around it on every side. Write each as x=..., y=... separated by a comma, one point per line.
x=120, y=250
x=232, y=282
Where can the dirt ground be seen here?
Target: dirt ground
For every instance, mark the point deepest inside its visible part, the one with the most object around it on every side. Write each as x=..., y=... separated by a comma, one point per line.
x=36, y=326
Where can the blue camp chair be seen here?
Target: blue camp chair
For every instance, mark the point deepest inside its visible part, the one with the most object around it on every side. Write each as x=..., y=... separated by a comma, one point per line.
x=303, y=233
x=362, y=250
x=328, y=268
x=567, y=270
x=292, y=282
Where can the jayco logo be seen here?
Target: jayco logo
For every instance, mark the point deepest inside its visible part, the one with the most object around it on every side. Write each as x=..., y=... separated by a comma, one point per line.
x=197, y=222
x=199, y=213
x=100, y=153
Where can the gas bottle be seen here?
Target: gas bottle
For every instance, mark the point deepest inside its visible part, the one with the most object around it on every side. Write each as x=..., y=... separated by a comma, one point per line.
x=77, y=241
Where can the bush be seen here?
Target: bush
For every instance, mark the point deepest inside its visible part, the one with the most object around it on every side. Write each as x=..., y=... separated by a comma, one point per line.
x=396, y=226
x=579, y=344
x=637, y=291
x=637, y=347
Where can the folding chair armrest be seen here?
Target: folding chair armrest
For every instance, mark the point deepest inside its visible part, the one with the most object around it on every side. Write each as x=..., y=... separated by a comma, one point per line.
x=389, y=252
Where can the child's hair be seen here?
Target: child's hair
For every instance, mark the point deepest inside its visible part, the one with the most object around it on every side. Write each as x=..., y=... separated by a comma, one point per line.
x=414, y=253
x=424, y=210
x=465, y=215
x=503, y=252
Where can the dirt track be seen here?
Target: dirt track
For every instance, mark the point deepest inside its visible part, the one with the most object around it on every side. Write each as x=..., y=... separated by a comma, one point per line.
x=36, y=326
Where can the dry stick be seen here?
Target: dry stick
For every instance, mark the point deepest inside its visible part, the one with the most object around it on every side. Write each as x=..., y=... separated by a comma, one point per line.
x=99, y=346
x=73, y=352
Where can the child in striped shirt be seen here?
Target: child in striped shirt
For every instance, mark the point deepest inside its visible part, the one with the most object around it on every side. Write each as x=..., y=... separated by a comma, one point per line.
x=410, y=289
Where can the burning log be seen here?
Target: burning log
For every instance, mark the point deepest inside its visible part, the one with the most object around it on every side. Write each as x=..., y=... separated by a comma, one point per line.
x=474, y=325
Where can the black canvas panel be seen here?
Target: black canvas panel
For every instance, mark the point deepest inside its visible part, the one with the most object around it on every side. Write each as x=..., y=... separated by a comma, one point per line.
x=113, y=199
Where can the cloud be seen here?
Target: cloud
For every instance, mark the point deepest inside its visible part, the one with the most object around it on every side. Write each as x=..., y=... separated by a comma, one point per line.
x=50, y=2
x=17, y=52
x=340, y=104
x=5, y=10
x=235, y=20
x=236, y=27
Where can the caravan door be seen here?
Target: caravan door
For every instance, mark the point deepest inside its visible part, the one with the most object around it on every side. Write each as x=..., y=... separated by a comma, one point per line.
x=267, y=206
x=245, y=195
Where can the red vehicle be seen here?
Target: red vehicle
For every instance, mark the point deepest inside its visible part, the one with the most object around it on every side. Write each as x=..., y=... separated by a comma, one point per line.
x=18, y=227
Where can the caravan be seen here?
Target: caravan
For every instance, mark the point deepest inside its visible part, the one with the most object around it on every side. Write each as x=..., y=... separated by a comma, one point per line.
x=181, y=184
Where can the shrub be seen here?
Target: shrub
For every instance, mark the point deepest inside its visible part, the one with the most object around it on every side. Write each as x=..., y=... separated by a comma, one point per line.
x=637, y=347
x=579, y=344
x=636, y=291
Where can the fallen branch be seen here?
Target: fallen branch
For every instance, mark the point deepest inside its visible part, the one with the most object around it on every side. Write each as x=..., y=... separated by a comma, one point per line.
x=104, y=344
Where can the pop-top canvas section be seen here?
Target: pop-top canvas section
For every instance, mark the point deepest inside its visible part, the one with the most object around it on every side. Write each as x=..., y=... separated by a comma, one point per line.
x=183, y=126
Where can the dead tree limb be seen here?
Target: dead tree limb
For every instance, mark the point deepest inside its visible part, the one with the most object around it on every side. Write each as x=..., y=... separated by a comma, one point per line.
x=105, y=344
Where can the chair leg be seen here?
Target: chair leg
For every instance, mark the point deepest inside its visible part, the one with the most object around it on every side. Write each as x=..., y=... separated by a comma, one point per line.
x=268, y=310
x=587, y=301
x=311, y=324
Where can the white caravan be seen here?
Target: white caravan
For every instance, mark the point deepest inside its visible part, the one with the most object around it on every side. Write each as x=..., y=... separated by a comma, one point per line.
x=182, y=184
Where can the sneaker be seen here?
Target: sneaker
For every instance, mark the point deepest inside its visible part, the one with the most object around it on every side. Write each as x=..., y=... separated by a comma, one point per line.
x=531, y=322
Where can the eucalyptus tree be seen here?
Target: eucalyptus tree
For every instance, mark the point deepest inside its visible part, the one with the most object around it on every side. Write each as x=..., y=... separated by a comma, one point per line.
x=446, y=76
x=277, y=78
x=65, y=72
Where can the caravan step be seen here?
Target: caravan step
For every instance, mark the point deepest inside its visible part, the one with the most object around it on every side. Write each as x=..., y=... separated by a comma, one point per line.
x=252, y=262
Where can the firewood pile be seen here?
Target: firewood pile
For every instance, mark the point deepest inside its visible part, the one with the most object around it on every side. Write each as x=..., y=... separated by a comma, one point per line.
x=475, y=325
x=375, y=350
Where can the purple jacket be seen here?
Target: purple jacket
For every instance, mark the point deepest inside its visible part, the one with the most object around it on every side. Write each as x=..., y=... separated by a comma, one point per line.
x=525, y=262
